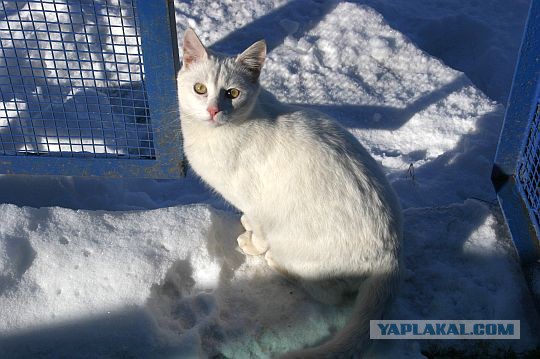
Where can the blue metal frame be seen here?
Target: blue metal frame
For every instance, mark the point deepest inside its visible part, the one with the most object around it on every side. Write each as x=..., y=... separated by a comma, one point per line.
x=520, y=110
x=156, y=19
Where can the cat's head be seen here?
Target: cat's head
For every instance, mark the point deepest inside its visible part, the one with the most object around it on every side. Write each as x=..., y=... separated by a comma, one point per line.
x=216, y=89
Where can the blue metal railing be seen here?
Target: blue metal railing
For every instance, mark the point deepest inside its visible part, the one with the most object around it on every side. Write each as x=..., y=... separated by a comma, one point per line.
x=528, y=171
x=516, y=172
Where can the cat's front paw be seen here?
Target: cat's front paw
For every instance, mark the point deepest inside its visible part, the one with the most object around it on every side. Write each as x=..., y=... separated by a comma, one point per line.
x=245, y=223
x=247, y=246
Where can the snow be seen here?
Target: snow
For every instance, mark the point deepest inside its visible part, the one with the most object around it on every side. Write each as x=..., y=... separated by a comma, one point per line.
x=142, y=268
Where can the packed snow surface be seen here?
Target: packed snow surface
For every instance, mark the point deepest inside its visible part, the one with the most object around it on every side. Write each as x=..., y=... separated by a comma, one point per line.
x=141, y=268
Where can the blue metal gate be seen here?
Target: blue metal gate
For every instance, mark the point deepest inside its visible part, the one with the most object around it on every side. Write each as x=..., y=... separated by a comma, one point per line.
x=528, y=172
x=516, y=173
x=87, y=87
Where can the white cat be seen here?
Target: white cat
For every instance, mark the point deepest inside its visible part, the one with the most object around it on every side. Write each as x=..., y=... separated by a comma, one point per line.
x=315, y=204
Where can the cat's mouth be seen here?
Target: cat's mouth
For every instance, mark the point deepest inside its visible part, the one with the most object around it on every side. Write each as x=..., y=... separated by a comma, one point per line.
x=217, y=120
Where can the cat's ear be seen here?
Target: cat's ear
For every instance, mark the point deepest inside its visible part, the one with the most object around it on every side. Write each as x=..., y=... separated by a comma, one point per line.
x=253, y=58
x=194, y=50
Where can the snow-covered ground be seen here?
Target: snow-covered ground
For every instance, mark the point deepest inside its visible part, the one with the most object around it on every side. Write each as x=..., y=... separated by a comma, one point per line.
x=141, y=268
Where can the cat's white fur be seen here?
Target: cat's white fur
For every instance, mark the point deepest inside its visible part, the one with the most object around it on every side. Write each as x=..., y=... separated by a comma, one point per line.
x=315, y=203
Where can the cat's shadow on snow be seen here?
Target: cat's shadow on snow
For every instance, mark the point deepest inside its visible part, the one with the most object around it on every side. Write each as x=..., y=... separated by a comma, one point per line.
x=249, y=305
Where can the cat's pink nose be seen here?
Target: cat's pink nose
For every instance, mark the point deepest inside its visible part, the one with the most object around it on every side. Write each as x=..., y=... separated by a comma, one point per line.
x=213, y=110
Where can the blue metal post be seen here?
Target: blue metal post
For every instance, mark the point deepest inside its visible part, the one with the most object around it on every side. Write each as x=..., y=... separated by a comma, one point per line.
x=521, y=108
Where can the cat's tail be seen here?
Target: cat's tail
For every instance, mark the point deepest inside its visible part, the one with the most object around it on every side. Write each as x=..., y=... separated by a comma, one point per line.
x=353, y=340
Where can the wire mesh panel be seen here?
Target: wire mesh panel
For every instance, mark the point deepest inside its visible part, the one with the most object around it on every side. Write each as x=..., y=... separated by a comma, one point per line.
x=516, y=171
x=528, y=174
x=73, y=84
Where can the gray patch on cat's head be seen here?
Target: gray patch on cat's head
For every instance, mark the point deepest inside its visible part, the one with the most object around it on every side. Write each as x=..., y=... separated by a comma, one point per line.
x=252, y=59
x=218, y=73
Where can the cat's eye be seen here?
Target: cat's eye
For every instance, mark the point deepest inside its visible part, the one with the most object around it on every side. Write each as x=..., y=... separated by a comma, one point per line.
x=200, y=88
x=232, y=93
